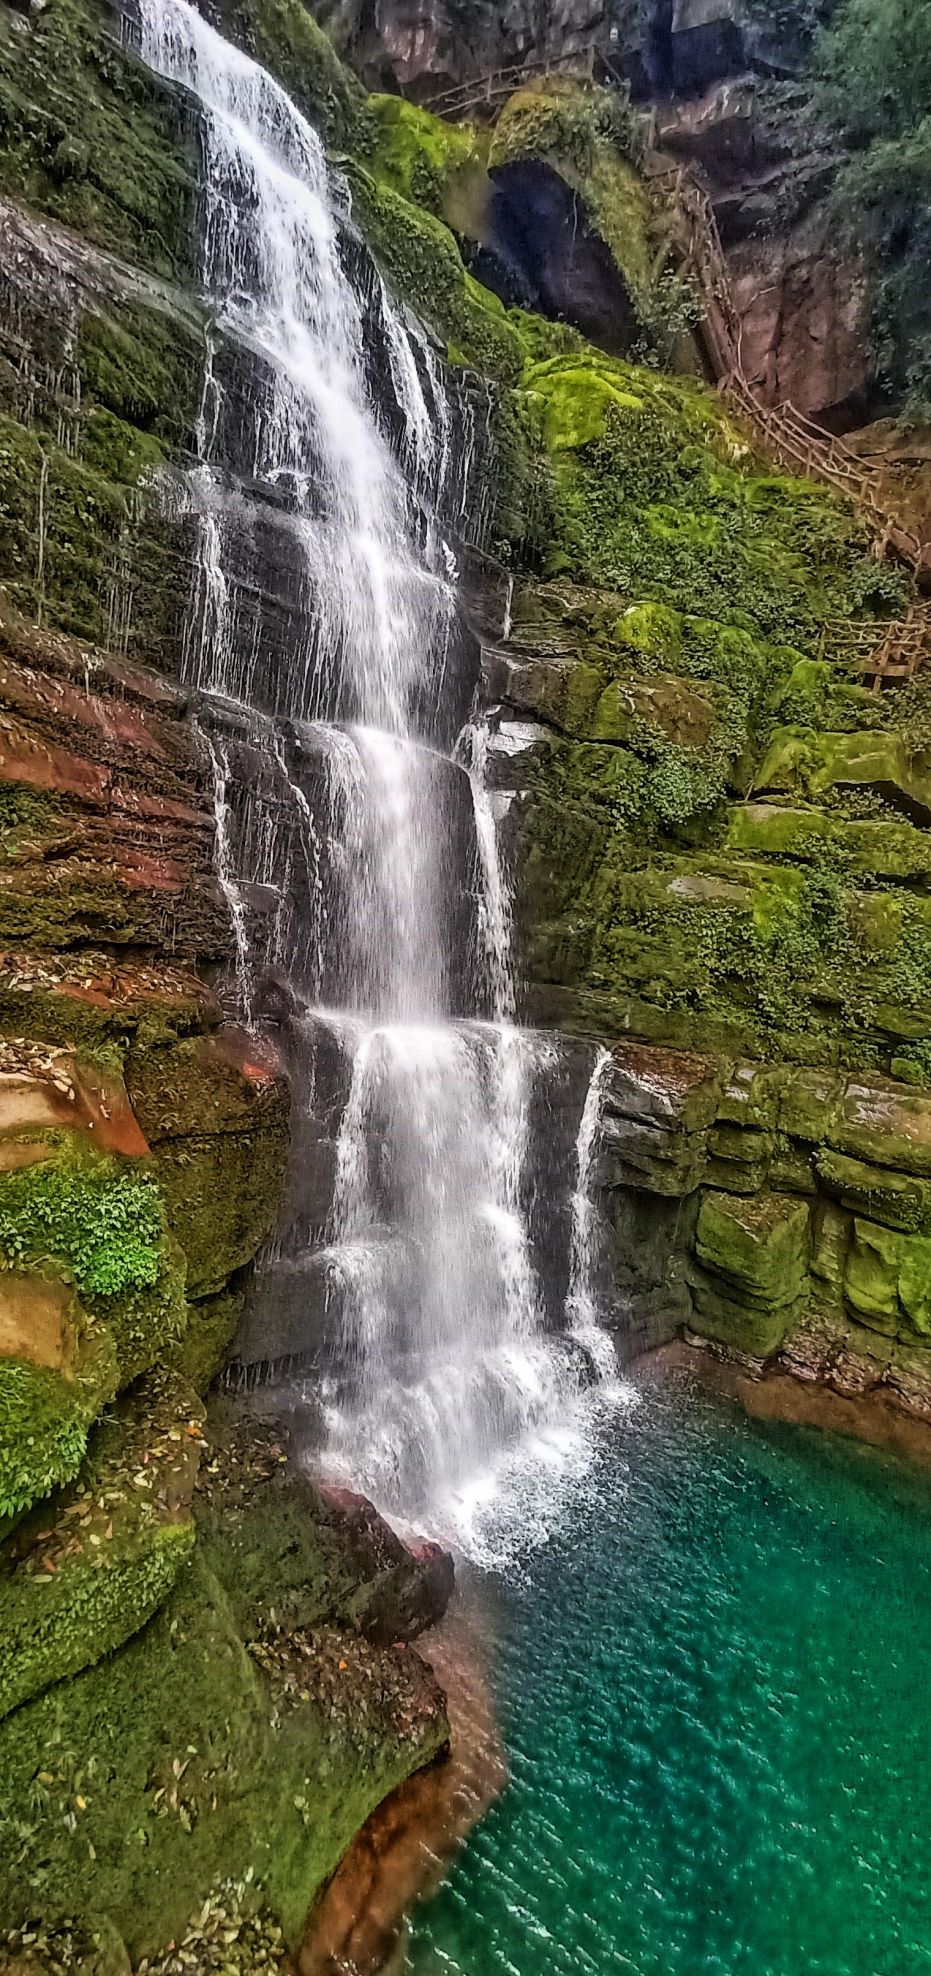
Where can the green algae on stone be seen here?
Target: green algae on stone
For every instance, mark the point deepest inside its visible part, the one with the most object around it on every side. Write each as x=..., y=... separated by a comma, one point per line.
x=45, y=1418
x=103, y=1224
x=592, y=139
x=179, y=1763
x=90, y=137
x=424, y=266
x=92, y=1563
x=438, y=166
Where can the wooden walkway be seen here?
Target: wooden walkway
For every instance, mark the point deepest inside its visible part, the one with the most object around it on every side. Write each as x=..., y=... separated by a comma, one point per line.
x=904, y=646
x=489, y=92
x=793, y=440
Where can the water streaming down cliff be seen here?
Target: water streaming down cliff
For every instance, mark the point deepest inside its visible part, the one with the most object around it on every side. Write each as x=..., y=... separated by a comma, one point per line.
x=352, y=843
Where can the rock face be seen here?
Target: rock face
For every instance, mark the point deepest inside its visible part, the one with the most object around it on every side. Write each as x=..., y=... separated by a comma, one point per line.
x=803, y=306
x=423, y=46
x=803, y=1223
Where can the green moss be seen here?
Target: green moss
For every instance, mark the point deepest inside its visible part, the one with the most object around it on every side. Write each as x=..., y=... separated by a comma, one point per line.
x=143, y=366
x=171, y=1767
x=92, y=1564
x=221, y=1193
x=438, y=166
x=594, y=141
x=72, y=530
x=898, y=1200
x=657, y=496
x=45, y=1418
x=105, y=1225
x=285, y=38
x=91, y=138
x=93, y=1214
x=886, y=848
x=815, y=764
x=424, y=266
x=754, y=1257
x=212, y=1326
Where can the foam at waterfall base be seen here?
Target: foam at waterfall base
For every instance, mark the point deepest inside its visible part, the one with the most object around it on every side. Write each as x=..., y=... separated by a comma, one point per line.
x=489, y=1494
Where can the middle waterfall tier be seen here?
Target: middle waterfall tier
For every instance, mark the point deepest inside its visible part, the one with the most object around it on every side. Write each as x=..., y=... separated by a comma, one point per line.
x=337, y=679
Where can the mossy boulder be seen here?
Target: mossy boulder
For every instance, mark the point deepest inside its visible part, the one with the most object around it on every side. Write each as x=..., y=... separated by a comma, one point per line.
x=90, y=1566
x=280, y=1545
x=886, y=848
x=219, y=1139
x=46, y=1416
x=440, y=167
x=880, y=760
x=184, y=1761
x=887, y=1280
x=592, y=140
x=424, y=267
x=92, y=138
x=96, y=1224
x=898, y=1200
x=754, y=1254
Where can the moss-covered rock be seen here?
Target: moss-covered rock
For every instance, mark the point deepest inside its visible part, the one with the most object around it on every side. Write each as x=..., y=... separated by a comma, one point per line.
x=880, y=761
x=91, y=138
x=884, y=848
x=282, y=1547
x=46, y=1416
x=424, y=266
x=184, y=1761
x=440, y=167
x=96, y=1223
x=592, y=139
x=91, y=1565
x=219, y=1141
x=755, y=1255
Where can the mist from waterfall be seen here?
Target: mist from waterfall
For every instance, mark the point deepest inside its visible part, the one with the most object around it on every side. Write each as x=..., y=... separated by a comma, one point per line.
x=342, y=810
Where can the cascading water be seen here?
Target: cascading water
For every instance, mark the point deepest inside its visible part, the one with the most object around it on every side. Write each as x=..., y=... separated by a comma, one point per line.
x=348, y=856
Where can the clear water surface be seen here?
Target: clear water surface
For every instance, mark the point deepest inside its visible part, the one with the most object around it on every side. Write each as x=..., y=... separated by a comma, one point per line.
x=714, y=1683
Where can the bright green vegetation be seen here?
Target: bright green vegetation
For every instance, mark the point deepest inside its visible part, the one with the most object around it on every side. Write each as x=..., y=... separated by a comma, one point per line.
x=874, y=70
x=95, y=1223
x=93, y=1215
x=656, y=493
x=188, y=1759
x=423, y=263
x=177, y=1764
x=724, y=828
x=714, y=1700
x=441, y=167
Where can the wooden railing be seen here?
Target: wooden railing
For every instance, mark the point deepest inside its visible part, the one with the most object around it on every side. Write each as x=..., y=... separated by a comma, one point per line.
x=793, y=440
x=487, y=91
x=895, y=656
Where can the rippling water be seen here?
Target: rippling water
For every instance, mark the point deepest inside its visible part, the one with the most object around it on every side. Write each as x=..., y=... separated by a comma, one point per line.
x=714, y=1683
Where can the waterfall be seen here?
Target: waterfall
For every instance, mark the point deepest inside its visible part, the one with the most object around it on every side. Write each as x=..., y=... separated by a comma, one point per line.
x=357, y=853
x=582, y=1300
